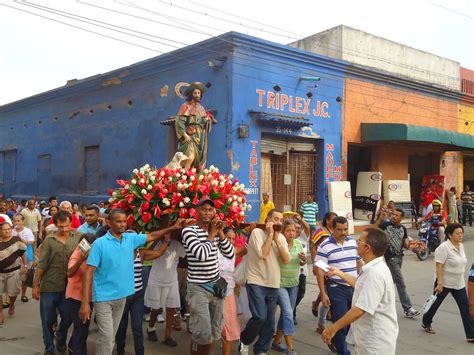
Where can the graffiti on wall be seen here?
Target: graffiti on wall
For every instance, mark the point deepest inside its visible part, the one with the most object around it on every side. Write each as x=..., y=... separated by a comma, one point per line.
x=253, y=170
x=333, y=171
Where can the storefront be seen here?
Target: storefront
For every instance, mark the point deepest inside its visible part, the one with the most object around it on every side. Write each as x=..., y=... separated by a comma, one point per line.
x=278, y=111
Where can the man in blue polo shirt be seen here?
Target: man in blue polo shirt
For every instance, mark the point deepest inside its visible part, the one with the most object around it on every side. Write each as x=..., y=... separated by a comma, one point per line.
x=91, y=225
x=338, y=251
x=110, y=269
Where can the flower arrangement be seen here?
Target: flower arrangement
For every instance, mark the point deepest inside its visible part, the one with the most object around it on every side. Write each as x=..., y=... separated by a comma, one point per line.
x=154, y=195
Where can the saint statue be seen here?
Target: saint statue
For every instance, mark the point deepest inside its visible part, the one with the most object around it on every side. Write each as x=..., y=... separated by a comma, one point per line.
x=193, y=126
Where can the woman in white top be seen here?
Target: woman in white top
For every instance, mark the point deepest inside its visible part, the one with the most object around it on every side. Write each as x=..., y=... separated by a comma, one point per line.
x=450, y=267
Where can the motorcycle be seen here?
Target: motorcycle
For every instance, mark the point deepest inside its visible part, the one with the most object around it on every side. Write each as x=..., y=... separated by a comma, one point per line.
x=428, y=240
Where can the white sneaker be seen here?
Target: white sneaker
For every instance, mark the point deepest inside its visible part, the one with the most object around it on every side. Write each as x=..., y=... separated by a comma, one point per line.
x=412, y=313
x=160, y=318
x=146, y=317
x=243, y=349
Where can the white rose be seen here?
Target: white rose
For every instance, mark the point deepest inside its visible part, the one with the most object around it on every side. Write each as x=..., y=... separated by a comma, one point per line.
x=165, y=191
x=241, y=187
x=178, y=194
x=230, y=176
x=235, y=204
x=153, y=178
x=178, y=175
x=184, y=177
x=142, y=181
x=146, y=166
x=205, y=171
x=111, y=200
x=221, y=177
x=234, y=197
x=239, y=199
x=181, y=204
x=242, y=213
x=200, y=178
x=222, y=184
x=162, y=173
x=249, y=207
x=192, y=178
x=186, y=186
x=180, y=186
x=212, y=168
x=187, y=199
x=229, y=199
x=135, y=171
x=149, y=187
x=134, y=182
x=215, y=182
x=144, y=192
x=193, y=170
x=166, y=201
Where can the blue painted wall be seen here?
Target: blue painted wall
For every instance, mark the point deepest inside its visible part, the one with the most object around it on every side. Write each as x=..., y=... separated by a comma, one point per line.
x=121, y=113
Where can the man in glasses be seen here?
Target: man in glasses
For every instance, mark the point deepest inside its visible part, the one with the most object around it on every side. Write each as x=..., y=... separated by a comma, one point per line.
x=373, y=318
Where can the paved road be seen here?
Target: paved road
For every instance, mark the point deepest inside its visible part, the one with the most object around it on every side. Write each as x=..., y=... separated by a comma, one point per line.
x=22, y=334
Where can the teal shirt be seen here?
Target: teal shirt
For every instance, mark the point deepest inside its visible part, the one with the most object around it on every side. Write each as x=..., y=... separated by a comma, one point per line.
x=290, y=273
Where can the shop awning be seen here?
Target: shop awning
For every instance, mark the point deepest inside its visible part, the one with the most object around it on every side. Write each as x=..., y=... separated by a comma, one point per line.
x=380, y=132
x=295, y=121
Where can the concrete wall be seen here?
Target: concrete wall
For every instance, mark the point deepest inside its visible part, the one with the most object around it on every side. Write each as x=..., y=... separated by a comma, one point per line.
x=365, y=49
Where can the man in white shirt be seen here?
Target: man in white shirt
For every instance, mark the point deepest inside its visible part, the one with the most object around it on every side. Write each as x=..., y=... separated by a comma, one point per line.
x=374, y=328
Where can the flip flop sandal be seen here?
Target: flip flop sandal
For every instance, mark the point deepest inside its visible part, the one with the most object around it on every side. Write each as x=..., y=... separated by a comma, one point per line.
x=24, y=299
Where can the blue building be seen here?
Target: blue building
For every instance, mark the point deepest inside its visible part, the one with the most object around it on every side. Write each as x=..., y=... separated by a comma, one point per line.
x=279, y=123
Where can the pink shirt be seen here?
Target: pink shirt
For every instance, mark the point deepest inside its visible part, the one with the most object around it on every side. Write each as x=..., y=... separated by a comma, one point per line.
x=74, y=283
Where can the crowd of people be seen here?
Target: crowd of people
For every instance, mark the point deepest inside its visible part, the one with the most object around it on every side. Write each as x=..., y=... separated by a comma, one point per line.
x=85, y=264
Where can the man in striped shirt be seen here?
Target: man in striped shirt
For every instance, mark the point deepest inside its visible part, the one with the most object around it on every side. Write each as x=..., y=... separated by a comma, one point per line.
x=309, y=210
x=339, y=251
x=467, y=197
x=201, y=242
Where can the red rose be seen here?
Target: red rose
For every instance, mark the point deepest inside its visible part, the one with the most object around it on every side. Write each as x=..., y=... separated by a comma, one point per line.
x=183, y=212
x=130, y=219
x=146, y=206
x=218, y=203
x=193, y=213
x=157, y=211
x=146, y=217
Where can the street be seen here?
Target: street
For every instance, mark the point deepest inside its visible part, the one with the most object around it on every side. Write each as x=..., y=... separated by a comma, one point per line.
x=22, y=334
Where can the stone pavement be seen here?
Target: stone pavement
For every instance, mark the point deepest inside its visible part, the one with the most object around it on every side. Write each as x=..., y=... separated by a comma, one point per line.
x=22, y=334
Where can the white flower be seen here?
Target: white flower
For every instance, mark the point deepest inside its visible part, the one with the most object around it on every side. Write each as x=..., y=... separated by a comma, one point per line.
x=146, y=166
x=181, y=204
x=183, y=171
x=192, y=178
x=165, y=191
x=229, y=199
x=184, y=177
x=135, y=171
x=134, y=182
x=178, y=175
x=142, y=181
x=215, y=182
x=187, y=199
x=193, y=170
x=235, y=204
x=234, y=197
x=166, y=201
x=200, y=178
x=127, y=187
x=114, y=193
x=162, y=173
x=180, y=186
x=241, y=187
x=222, y=184
x=242, y=213
x=186, y=186
x=212, y=168
x=230, y=176
x=149, y=187
x=249, y=208
x=239, y=199
x=221, y=177
x=178, y=194
x=111, y=199
x=153, y=178
x=205, y=171
x=144, y=192
x=150, y=174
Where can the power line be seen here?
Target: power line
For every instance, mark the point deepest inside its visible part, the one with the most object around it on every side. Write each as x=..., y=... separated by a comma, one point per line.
x=450, y=10
x=299, y=72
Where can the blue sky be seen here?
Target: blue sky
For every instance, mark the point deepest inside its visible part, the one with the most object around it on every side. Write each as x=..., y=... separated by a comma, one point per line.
x=38, y=54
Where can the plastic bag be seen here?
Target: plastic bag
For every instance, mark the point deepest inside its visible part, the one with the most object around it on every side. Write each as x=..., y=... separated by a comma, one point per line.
x=240, y=272
x=429, y=302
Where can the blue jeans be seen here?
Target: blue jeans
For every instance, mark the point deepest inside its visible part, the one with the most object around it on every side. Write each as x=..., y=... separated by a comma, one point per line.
x=287, y=301
x=134, y=306
x=341, y=299
x=262, y=304
x=78, y=340
x=52, y=303
x=145, y=276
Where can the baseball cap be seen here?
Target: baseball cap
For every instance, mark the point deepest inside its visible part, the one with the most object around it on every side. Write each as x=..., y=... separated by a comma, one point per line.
x=204, y=200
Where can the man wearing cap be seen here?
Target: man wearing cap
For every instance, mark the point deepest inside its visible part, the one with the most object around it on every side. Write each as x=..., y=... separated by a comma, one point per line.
x=193, y=126
x=12, y=264
x=202, y=242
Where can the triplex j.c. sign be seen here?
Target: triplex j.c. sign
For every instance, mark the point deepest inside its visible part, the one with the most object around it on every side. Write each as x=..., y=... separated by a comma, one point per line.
x=292, y=104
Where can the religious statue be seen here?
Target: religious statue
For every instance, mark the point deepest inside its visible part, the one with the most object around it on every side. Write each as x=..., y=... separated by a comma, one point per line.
x=193, y=126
